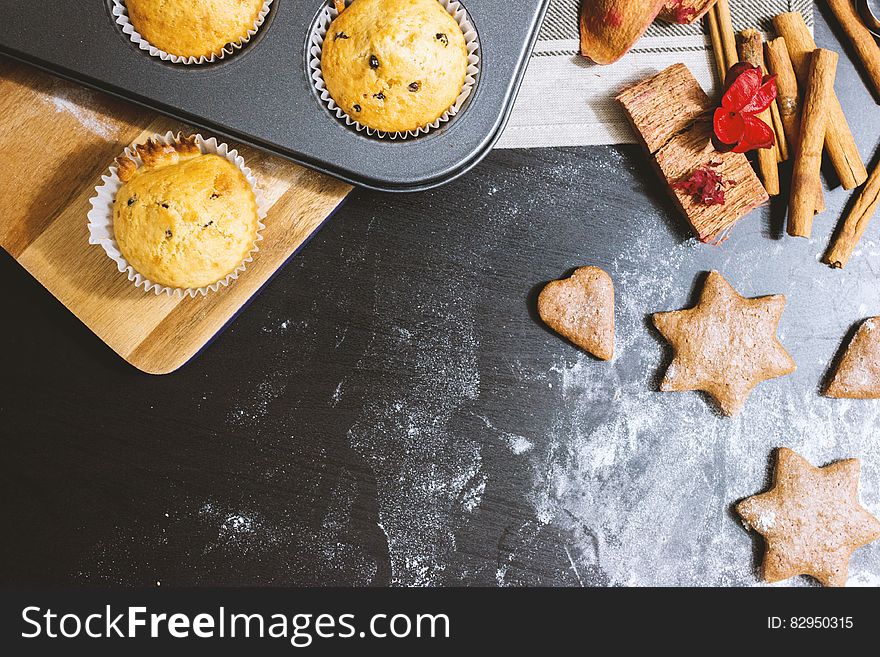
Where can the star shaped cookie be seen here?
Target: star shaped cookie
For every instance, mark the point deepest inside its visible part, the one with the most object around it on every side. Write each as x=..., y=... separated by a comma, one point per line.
x=811, y=519
x=725, y=345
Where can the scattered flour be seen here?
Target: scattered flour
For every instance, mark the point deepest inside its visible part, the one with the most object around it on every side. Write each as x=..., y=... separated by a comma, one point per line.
x=267, y=391
x=337, y=394
x=519, y=444
x=79, y=103
x=236, y=523
x=239, y=532
x=637, y=485
x=765, y=522
x=428, y=471
x=620, y=479
x=864, y=579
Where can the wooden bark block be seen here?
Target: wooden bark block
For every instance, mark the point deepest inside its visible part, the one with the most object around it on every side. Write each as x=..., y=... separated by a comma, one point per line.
x=672, y=114
x=664, y=104
x=691, y=150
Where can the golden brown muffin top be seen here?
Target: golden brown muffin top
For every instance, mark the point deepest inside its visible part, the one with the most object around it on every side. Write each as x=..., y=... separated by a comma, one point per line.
x=394, y=65
x=183, y=219
x=193, y=29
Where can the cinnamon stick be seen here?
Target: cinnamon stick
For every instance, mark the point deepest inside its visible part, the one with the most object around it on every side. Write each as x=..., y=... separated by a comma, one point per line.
x=862, y=40
x=839, y=141
x=856, y=222
x=787, y=92
x=781, y=140
x=717, y=46
x=752, y=52
x=789, y=99
x=728, y=37
x=808, y=158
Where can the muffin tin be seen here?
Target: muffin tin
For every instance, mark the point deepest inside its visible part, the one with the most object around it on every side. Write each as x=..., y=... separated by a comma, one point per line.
x=263, y=96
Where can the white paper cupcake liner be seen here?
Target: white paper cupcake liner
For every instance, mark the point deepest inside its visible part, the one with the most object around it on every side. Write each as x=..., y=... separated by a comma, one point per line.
x=120, y=13
x=101, y=217
x=316, y=43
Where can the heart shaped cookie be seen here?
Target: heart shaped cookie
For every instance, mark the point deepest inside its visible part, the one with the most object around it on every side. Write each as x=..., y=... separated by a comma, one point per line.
x=581, y=308
x=858, y=374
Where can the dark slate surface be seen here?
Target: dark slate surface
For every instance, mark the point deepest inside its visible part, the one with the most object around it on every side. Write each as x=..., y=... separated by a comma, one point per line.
x=389, y=409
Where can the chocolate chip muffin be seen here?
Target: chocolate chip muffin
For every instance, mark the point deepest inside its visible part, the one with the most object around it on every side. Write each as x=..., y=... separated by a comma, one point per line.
x=183, y=219
x=394, y=65
x=193, y=29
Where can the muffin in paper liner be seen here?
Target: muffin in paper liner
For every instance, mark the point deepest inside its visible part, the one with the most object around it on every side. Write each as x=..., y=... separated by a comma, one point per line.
x=316, y=43
x=101, y=216
x=120, y=15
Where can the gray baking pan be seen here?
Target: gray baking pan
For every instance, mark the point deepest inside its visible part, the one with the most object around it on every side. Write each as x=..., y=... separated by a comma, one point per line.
x=263, y=96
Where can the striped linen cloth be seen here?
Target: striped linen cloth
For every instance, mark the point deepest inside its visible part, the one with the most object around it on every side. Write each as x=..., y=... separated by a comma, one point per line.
x=566, y=101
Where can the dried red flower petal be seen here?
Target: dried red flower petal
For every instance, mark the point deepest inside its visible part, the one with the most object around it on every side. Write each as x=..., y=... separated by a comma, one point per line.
x=729, y=126
x=705, y=185
x=740, y=92
x=756, y=134
x=734, y=72
x=762, y=98
x=747, y=94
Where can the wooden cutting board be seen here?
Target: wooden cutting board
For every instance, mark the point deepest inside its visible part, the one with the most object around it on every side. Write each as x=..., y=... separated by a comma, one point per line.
x=56, y=140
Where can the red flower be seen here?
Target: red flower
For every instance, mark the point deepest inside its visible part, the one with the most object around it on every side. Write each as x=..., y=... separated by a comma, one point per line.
x=736, y=122
x=705, y=185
